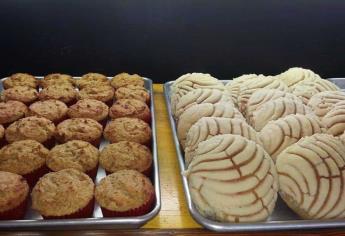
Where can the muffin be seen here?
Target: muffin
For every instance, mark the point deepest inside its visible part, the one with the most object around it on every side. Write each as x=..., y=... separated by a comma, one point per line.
x=92, y=79
x=14, y=192
x=26, y=158
x=37, y=128
x=24, y=94
x=57, y=79
x=74, y=154
x=126, y=155
x=85, y=129
x=133, y=92
x=53, y=110
x=11, y=111
x=130, y=108
x=2, y=135
x=128, y=129
x=103, y=93
x=125, y=79
x=20, y=79
x=66, y=194
x=89, y=108
x=64, y=93
x=125, y=193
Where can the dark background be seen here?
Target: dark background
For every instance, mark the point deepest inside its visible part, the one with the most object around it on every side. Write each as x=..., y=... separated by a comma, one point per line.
x=163, y=39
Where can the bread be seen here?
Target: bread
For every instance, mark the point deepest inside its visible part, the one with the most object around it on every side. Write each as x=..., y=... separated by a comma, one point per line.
x=89, y=108
x=232, y=179
x=125, y=79
x=103, y=93
x=20, y=79
x=11, y=111
x=196, y=112
x=53, y=110
x=23, y=94
x=65, y=93
x=334, y=120
x=233, y=86
x=133, y=92
x=57, y=79
x=130, y=108
x=208, y=127
x=296, y=74
x=311, y=176
x=321, y=103
x=92, y=79
x=280, y=134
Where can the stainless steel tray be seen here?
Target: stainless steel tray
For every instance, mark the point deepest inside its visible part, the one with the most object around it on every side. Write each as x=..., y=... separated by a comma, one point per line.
x=282, y=217
x=34, y=221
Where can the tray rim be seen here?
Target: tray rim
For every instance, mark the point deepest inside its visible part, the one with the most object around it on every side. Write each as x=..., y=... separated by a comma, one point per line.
x=238, y=227
x=100, y=223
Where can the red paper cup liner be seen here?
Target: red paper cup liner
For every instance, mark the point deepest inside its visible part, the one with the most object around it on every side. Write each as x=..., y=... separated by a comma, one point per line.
x=92, y=173
x=34, y=176
x=96, y=142
x=85, y=212
x=109, y=102
x=16, y=213
x=142, y=210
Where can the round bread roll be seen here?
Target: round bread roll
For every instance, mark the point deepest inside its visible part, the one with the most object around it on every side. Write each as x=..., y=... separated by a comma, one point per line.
x=247, y=88
x=233, y=86
x=232, y=179
x=297, y=74
x=276, y=109
x=208, y=127
x=261, y=96
x=280, y=134
x=321, y=103
x=194, y=113
x=311, y=177
x=334, y=120
x=199, y=96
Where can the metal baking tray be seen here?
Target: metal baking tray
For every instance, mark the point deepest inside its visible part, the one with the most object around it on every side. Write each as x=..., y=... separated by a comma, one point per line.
x=34, y=221
x=282, y=217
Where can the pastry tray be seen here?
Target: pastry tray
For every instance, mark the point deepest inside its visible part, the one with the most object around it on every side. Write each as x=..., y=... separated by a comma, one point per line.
x=282, y=217
x=34, y=221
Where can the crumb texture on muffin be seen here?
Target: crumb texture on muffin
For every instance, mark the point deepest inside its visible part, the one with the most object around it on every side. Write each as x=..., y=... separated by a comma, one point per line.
x=133, y=92
x=53, y=110
x=125, y=79
x=130, y=108
x=63, y=93
x=92, y=79
x=89, y=108
x=102, y=93
x=20, y=79
x=20, y=93
x=57, y=79
x=11, y=111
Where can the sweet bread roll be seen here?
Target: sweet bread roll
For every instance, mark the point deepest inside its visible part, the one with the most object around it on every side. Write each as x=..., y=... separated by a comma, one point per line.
x=312, y=176
x=296, y=74
x=334, y=120
x=232, y=179
x=196, y=112
x=233, y=86
x=199, y=96
x=261, y=96
x=249, y=87
x=280, y=134
x=208, y=127
x=321, y=103
x=307, y=88
x=276, y=109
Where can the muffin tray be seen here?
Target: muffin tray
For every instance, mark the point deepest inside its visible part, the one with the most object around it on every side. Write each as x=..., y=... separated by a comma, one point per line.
x=282, y=217
x=34, y=221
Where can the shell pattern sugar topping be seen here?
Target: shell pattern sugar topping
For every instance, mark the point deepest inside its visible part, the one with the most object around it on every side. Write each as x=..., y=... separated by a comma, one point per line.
x=297, y=74
x=233, y=86
x=334, y=120
x=323, y=102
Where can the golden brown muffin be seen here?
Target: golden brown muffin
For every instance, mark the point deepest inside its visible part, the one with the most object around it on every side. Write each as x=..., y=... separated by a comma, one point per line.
x=92, y=79
x=20, y=79
x=125, y=191
x=84, y=129
x=37, y=128
x=89, y=108
x=126, y=155
x=125, y=79
x=128, y=129
x=103, y=93
x=130, y=108
x=22, y=94
x=14, y=192
x=11, y=111
x=53, y=110
x=57, y=79
x=64, y=194
x=2, y=132
x=133, y=92
x=64, y=93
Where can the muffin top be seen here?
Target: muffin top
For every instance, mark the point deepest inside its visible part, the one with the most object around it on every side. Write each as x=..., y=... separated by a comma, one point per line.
x=125, y=79
x=89, y=108
x=13, y=190
x=62, y=193
x=11, y=111
x=51, y=109
x=36, y=128
x=127, y=129
x=124, y=190
x=133, y=92
x=74, y=154
x=129, y=108
x=64, y=93
x=125, y=155
x=79, y=128
x=20, y=93
x=20, y=79
x=22, y=157
x=57, y=79
x=2, y=131
x=102, y=93
x=92, y=79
